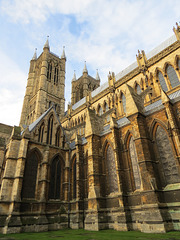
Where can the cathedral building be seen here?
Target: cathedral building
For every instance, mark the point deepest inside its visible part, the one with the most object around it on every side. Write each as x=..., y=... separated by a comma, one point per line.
x=112, y=161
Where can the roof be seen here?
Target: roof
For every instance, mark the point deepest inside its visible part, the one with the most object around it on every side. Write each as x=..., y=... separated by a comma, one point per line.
x=35, y=123
x=129, y=69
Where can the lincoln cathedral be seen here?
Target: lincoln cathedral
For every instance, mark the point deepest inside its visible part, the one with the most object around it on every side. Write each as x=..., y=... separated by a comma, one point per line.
x=111, y=161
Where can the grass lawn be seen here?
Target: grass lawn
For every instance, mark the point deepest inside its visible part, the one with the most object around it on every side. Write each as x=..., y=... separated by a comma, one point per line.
x=70, y=234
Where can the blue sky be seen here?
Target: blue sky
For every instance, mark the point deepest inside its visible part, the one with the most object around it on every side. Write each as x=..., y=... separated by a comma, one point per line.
x=105, y=33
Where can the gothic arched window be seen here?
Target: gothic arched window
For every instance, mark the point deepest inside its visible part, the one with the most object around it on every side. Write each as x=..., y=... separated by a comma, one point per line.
x=112, y=182
x=106, y=107
x=56, y=179
x=81, y=93
x=58, y=133
x=134, y=162
x=138, y=89
x=50, y=130
x=172, y=76
x=30, y=175
x=41, y=133
x=56, y=73
x=123, y=99
x=162, y=81
x=166, y=157
x=100, y=110
x=49, y=71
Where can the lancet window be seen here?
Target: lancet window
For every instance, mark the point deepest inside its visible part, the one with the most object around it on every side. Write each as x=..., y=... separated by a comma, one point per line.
x=56, y=178
x=166, y=157
x=134, y=163
x=30, y=176
x=162, y=81
x=172, y=76
x=123, y=99
x=41, y=133
x=50, y=130
x=49, y=71
x=112, y=182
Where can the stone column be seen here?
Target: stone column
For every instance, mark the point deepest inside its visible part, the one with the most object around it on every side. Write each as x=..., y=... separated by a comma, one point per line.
x=12, y=182
x=94, y=219
x=174, y=126
x=151, y=214
x=44, y=175
x=77, y=218
x=121, y=214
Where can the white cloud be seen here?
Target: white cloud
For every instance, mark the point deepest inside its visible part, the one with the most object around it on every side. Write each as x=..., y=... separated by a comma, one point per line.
x=13, y=82
x=110, y=31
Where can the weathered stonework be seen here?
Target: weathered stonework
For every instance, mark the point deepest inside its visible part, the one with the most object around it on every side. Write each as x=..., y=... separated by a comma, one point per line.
x=111, y=161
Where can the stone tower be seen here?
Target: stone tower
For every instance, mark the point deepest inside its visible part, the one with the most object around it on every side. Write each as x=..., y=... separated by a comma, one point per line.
x=45, y=85
x=83, y=85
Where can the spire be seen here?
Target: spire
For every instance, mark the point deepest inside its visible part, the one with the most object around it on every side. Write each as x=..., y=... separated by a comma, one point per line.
x=46, y=45
x=74, y=77
x=97, y=75
x=63, y=53
x=85, y=68
x=35, y=54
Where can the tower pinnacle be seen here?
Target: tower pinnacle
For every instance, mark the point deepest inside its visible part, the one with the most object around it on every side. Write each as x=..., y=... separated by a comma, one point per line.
x=85, y=68
x=35, y=54
x=74, y=77
x=97, y=75
x=46, y=45
x=63, y=53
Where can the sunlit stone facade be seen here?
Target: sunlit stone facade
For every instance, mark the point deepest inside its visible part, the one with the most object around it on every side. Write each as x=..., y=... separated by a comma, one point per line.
x=111, y=161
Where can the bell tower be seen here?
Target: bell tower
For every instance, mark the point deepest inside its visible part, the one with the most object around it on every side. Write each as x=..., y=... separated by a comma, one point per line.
x=45, y=85
x=83, y=85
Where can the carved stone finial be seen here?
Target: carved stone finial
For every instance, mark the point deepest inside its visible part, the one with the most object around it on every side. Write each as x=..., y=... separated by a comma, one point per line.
x=85, y=68
x=177, y=31
x=46, y=45
x=141, y=59
x=74, y=76
x=97, y=75
x=35, y=55
x=63, y=53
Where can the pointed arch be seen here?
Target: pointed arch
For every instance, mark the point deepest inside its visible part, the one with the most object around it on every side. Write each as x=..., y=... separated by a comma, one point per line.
x=105, y=106
x=152, y=127
x=172, y=76
x=49, y=71
x=110, y=168
x=41, y=133
x=123, y=102
x=133, y=161
x=138, y=88
x=75, y=122
x=56, y=178
x=30, y=174
x=165, y=155
x=142, y=84
x=82, y=120
x=116, y=98
x=99, y=110
x=162, y=81
x=176, y=59
x=58, y=137
x=50, y=130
